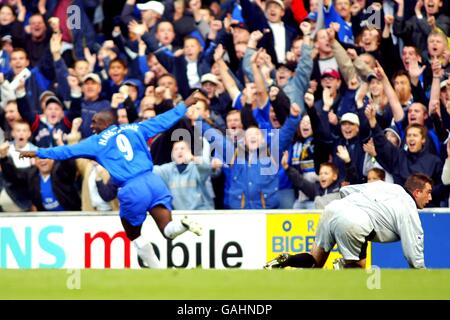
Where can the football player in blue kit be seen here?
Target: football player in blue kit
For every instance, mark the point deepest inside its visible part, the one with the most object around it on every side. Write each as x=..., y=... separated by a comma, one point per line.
x=123, y=151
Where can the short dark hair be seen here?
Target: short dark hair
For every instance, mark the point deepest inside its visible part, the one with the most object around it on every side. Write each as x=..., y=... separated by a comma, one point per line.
x=417, y=181
x=423, y=129
x=379, y=172
x=332, y=166
x=20, y=50
x=121, y=61
x=109, y=115
x=401, y=73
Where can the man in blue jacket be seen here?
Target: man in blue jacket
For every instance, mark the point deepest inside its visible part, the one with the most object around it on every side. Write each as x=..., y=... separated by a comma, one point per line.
x=123, y=151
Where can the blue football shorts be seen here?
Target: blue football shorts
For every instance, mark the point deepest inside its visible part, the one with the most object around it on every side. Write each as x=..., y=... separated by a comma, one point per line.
x=141, y=194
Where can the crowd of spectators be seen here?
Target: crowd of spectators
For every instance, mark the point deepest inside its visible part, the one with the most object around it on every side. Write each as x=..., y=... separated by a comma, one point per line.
x=296, y=98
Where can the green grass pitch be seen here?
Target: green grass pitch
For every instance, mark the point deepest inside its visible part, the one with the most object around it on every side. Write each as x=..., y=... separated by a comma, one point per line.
x=177, y=284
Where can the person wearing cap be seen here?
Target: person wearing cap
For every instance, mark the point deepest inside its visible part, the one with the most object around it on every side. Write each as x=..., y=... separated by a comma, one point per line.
x=219, y=102
x=330, y=81
x=354, y=132
x=91, y=102
x=279, y=40
x=54, y=117
x=403, y=163
x=151, y=13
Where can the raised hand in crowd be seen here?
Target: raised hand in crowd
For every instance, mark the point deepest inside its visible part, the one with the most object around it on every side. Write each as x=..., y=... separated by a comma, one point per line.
x=309, y=99
x=219, y=52
x=285, y=160
x=343, y=154
x=295, y=110
x=74, y=84
x=117, y=99
x=255, y=36
x=4, y=148
x=56, y=46
x=58, y=137
x=369, y=148
x=273, y=92
x=137, y=28
x=327, y=99
x=332, y=118
x=370, y=113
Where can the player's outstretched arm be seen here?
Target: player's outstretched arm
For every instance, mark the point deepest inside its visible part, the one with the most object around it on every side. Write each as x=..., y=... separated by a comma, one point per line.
x=85, y=149
x=165, y=121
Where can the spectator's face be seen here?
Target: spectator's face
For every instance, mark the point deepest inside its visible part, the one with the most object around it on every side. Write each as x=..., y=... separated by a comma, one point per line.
x=343, y=8
x=200, y=108
x=19, y=61
x=44, y=166
x=253, y=139
x=372, y=176
x=149, y=113
x=392, y=138
x=210, y=88
x=234, y=123
x=414, y=140
x=148, y=102
x=436, y=46
x=326, y=177
x=240, y=49
x=402, y=87
x=274, y=12
x=417, y=114
x=331, y=83
x=422, y=197
x=81, y=69
x=323, y=42
x=297, y=48
x=409, y=55
x=122, y=116
x=165, y=33
x=53, y=113
x=192, y=49
x=305, y=129
x=37, y=27
x=249, y=90
x=117, y=72
x=369, y=39
x=240, y=35
x=170, y=83
x=11, y=113
x=156, y=67
x=432, y=6
x=349, y=130
x=6, y=16
x=314, y=5
x=21, y=133
x=375, y=87
x=149, y=16
x=180, y=152
x=283, y=75
x=273, y=119
x=205, y=15
x=91, y=90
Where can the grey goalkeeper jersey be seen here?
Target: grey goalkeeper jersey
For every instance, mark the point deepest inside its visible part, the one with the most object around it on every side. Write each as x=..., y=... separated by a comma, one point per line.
x=394, y=215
